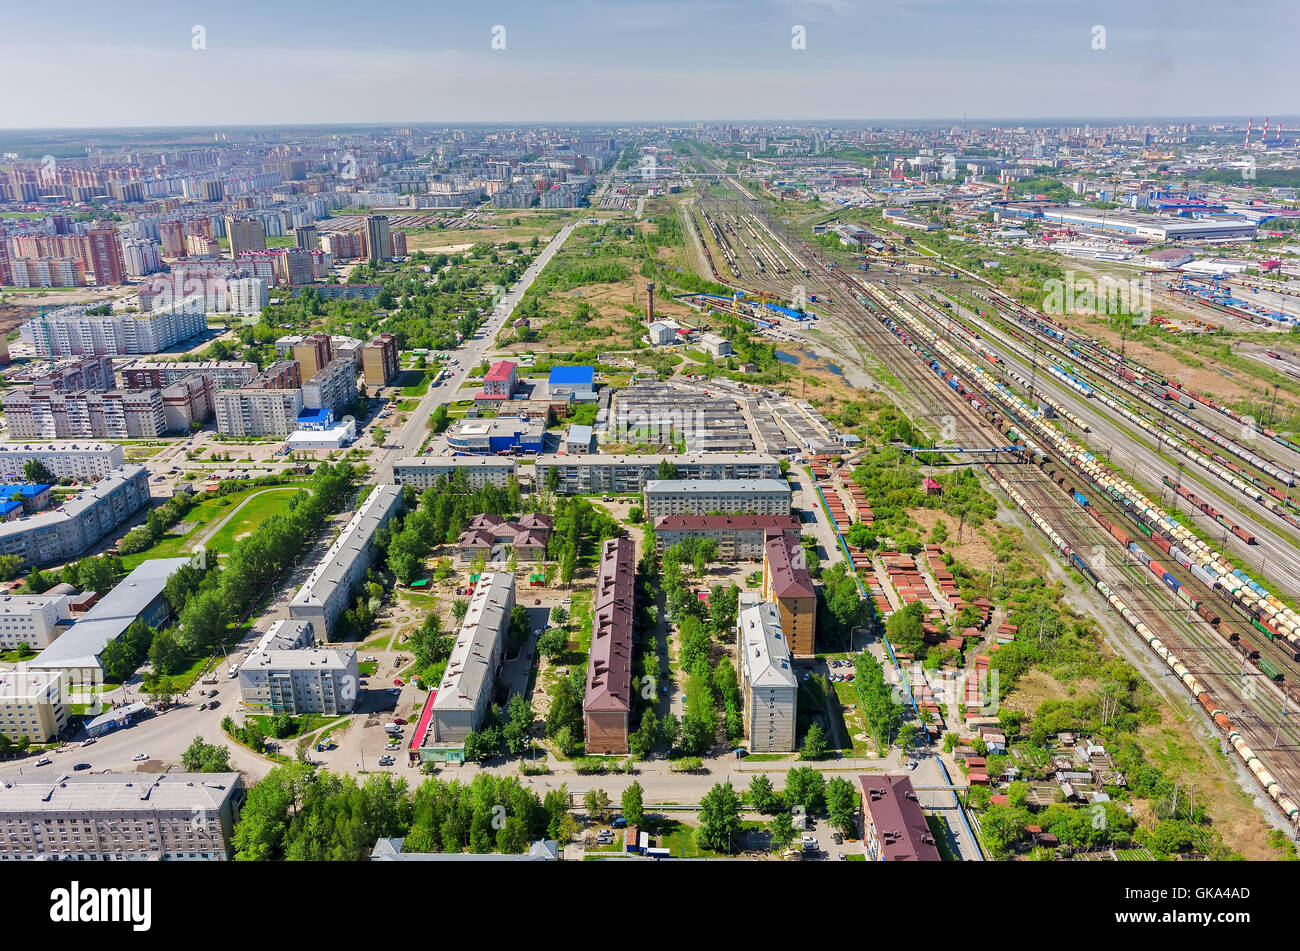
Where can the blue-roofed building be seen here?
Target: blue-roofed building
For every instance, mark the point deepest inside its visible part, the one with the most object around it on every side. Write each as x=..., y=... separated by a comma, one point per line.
x=579, y=382
x=10, y=509
x=315, y=419
x=33, y=498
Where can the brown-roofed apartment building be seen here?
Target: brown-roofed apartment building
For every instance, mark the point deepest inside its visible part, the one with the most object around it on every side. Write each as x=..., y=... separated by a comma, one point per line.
x=788, y=585
x=608, y=701
x=893, y=826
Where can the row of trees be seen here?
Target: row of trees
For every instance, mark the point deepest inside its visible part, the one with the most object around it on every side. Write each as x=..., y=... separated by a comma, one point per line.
x=156, y=524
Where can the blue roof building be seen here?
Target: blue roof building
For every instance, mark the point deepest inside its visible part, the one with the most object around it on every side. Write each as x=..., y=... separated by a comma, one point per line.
x=578, y=382
x=33, y=498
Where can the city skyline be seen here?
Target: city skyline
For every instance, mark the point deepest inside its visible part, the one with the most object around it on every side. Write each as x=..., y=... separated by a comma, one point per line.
x=579, y=61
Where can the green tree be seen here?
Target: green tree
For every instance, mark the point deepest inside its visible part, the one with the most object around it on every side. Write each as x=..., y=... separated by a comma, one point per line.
x=814, y=744
x=37, y=472
x=762, y=797
x=782, y=830
x=633, y=803
x=839, y=804
x=596, y=803
x=719, y=819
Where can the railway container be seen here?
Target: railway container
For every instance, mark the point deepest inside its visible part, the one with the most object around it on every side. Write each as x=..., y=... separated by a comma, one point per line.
x=1266, y=667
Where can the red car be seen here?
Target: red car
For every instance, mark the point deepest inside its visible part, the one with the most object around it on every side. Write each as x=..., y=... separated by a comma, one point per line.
x=399, y=682
x=399, y=721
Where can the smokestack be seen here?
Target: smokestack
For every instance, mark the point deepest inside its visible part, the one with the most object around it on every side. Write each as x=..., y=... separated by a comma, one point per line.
x=650, y=310
x=1248, y=127
x=1263, y=139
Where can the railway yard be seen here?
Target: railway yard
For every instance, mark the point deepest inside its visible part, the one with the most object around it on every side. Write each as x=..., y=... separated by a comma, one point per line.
x=1177, y=512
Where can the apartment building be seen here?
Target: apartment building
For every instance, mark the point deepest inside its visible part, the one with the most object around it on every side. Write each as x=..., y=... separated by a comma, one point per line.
x=73, y=331
x=786, y=583
x=470, y=678
x=328, y=590
x=423, y=472
x=333, y=387
x=267, y=406
x=81, y=521
x=376, y=239
x=597, y=473
x=106, y=256
x=32, y=705
x=707, y=496
x=607, y=702
x=188, y=402
x=225, y=374
x=245, y=234
x=65, y=461
x=379, y=360
x=738, y=537
x=247, y=295
x=33, y=619
x=47, y=272
x=769, y=688
x=310, y=680
x=115, y=414
x=75, y=373
x=103, y=817
x=893, y=823
x=313, y=352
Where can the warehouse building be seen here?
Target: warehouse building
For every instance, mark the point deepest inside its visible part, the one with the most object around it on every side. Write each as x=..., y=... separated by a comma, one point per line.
x=607, y=702
x=81, y=521
x=769, y=687
x=469, y=682
x=738, y=537
x=138, y=595
x=328, y=590
x=596, y=473
x=120, y=816
x=423, y=472
x=704, y=496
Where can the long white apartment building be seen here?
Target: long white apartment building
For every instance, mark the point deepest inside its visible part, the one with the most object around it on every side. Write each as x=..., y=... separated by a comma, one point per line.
x=69, y=530
x=106, y=817
x=708, y=496
x=328, y=590
x=33, y=619
x=469, y=681
x=64, y=460
x=596, y=473
x=71, y=331
x=423, y=472
x=114, y=414
x=769, y=688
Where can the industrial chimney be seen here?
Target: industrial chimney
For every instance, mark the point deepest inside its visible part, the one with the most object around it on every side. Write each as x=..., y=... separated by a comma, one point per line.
x=650, y=289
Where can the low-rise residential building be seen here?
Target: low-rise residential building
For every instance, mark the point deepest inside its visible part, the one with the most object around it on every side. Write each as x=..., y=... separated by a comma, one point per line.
x=739, y=537
x=469, y=681
x=496, y=538
x=423, y=472
x=598, y=473
x=607, y=703
x=33, y=619
x=893, y=824
x=708, y=496
x=120, y=816
x=64, y=460
x=307, y=680
x=579, y=441
x=78, y=523
x=328, y=589
x=769, y=688
x=787, y=583
x=32, y=705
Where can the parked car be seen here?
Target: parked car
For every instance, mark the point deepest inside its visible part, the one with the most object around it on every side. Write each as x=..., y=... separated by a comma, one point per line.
x=839, y=839
x=392, y=746
x=213, y=704
x=604, y=840
x=89, y=742
x=620, y=822
x=386, y=761
x=202, y=707
x=44, y=761
x=399, y=682
x=139, y=757
x=80, y=766
x=399, y=721
x=212, y=693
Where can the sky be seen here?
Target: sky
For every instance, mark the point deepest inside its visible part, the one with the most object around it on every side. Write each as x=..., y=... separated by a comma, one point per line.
x=237, y=62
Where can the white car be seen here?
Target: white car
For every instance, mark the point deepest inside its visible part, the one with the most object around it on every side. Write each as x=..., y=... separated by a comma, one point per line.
x=139, y=757
x=44, y=761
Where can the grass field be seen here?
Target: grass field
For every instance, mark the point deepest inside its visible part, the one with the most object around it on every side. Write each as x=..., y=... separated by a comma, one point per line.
x=258, y=510
x=194, y=522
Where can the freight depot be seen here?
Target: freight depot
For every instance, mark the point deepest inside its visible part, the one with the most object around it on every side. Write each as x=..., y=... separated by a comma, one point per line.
x=1212, y=568
x=1275, y=500
x=1189, y=680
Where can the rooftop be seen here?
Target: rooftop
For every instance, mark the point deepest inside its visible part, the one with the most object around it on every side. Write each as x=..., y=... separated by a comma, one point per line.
x=894, y=809
x=469, y=665
x=788, y=568
x=354, y=539
x=771, y=523
x=702, y=486
x=500, y=371
x=571, y=376
x=609, y=666
x=767, y=652
x=119, y=792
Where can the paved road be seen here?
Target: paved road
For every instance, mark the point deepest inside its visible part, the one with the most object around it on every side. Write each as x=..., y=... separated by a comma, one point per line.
x=406, y=442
